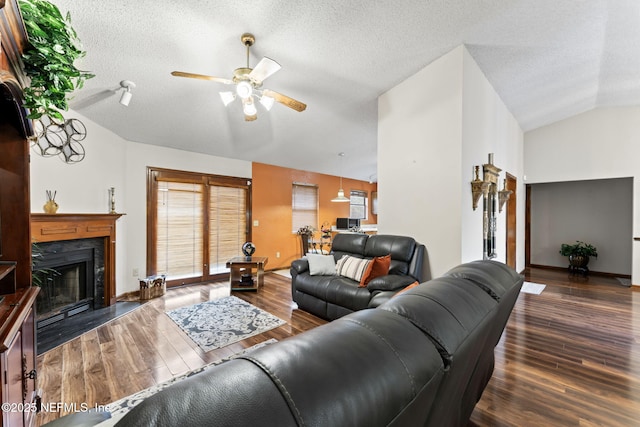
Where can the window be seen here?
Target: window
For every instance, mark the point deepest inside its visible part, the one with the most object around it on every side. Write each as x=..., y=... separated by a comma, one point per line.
x=304, y=205
x=358, y=204
x=196, y=223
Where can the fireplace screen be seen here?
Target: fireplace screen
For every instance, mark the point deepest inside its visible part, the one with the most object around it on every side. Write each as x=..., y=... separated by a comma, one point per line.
x=61, y=287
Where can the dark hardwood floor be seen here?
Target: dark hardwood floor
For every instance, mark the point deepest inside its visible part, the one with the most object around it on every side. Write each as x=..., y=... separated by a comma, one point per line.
x=568, y=357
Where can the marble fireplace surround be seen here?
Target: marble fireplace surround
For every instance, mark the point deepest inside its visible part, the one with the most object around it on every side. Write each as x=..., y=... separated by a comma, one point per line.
x=60, y=227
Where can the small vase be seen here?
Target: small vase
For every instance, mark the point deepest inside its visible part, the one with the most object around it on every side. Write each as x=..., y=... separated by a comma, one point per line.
x=50, y=207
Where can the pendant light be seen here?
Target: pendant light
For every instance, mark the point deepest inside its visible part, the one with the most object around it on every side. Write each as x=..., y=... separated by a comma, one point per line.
x=340, y=197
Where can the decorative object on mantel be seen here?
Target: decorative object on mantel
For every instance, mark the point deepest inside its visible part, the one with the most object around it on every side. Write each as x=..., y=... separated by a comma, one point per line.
x=52, y=138
x=112, y=200
x=48, y=59
x=578, y=254
x=51, y=206
x=340, y=197
x=487, y=187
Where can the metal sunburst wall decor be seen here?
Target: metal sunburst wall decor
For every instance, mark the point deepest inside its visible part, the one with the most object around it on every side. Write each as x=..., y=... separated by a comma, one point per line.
x=62, y=139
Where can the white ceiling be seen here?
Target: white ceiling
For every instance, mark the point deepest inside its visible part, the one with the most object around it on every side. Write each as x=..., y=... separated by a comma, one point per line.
x=548, y=60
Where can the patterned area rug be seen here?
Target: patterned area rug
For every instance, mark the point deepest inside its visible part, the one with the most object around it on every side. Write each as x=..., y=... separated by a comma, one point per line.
x=120, y=407
x=218, y=323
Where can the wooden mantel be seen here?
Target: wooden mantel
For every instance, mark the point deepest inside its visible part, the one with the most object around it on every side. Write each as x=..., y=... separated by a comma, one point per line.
x=56, y=227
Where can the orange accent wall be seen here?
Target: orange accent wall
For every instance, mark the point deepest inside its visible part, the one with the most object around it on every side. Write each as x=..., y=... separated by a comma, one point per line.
x=271, y=207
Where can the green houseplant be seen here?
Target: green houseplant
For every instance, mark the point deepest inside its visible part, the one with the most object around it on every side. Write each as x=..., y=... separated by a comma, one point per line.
x=578, y=254
x=49, y=59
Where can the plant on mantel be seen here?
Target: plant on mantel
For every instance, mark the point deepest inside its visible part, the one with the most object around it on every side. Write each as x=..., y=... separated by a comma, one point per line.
x=49, y=59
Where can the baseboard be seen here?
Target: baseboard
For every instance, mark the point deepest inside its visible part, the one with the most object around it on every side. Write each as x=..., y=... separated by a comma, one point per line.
x=591, y=272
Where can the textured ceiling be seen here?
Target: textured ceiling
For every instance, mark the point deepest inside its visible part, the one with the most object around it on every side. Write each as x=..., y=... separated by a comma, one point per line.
x=548, y=60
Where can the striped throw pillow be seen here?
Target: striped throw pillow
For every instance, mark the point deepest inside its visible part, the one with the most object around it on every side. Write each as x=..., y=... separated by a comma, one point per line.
x=352, y=267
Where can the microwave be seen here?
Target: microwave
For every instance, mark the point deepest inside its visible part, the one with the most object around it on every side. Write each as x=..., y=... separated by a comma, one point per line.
x=347, y=223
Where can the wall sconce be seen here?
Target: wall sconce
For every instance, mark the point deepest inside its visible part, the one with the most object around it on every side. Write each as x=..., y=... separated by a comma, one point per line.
x=478, y=188
x=487, y=187
x=125, y=98
x=503, y=195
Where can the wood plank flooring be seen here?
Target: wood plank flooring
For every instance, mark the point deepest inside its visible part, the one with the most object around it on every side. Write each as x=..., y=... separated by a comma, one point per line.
x=569, y=357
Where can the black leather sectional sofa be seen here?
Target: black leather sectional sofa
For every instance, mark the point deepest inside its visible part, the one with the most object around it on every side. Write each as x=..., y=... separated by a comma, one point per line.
x=423, y=358
x=333, y=296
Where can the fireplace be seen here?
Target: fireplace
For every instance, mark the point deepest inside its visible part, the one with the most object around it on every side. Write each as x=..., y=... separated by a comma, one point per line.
x=70, y=275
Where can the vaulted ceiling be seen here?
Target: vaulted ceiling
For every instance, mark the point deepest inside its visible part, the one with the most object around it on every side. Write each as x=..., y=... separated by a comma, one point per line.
x=547, y=59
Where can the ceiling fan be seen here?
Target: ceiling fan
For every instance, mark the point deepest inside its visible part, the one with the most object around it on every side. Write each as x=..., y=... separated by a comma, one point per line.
x=248, y=83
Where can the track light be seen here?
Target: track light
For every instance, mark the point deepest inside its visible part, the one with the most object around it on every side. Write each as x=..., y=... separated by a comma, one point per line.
x=125, y=98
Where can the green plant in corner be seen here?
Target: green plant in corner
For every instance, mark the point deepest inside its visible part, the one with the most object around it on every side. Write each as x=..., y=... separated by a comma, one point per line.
x=579, y=249
x=49, y=60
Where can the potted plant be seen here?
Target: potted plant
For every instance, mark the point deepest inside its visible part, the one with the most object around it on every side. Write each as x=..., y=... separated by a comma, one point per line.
x=578, y=254
x=48, y=61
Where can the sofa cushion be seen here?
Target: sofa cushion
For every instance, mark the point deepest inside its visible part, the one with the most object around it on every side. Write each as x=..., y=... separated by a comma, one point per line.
x=346, y=293
x=348, y=244
x=391, y=282
x=324, y=265
x=352, y=267
x=378, y=267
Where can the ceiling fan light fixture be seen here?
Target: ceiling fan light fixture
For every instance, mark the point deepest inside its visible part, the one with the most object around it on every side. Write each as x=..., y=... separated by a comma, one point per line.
x=267, y=102
x=249, y=107
x=244, y=89
x=227, y=97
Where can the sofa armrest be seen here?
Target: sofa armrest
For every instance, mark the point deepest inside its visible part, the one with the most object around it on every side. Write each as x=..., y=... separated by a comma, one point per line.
x=390, y=282
x=300, y=266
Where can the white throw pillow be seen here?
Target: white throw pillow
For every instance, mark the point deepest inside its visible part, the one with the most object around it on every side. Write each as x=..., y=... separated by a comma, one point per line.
x=352, y=267
x=321, y=265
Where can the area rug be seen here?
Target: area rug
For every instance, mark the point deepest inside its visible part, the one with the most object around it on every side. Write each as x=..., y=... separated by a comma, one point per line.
x=532, y=288
x=120, y=407
x=218, y=323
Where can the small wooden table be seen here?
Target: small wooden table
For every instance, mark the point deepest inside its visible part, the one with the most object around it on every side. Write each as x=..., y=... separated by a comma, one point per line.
x=242, y=266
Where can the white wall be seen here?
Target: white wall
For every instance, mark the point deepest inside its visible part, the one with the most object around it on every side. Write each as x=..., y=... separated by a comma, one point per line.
x=599, y=144
x=489, y=127
x=432, y=129
x=419, y=169
x=114, y=162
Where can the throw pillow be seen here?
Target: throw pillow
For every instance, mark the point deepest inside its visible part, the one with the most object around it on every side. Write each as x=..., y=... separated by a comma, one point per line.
x=352, y=267
x=321, y=265
x=413, y=285
x=378, y=267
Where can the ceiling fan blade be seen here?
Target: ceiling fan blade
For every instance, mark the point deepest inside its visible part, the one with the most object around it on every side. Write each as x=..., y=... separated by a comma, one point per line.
x=264, y=69
x=201, y=77
x=285, y=100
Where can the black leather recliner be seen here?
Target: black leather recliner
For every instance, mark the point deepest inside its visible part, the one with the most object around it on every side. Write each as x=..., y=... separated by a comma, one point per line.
x=333, y=296
x=422, y=358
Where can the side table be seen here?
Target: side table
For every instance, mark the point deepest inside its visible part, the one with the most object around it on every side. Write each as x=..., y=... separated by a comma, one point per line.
x=242, y=267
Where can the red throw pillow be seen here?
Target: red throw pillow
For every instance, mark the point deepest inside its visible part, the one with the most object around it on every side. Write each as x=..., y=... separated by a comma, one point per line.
x=379, y=266
x=413, y=285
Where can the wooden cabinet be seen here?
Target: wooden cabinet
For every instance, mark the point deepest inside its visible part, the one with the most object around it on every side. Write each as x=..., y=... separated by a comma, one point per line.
x=18, y=358
x=17, y=312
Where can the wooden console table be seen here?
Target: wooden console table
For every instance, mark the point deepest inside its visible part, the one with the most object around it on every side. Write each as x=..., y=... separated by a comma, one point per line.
x=244, y=265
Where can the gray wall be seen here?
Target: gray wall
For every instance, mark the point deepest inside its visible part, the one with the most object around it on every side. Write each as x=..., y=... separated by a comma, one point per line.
x=599, y=212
